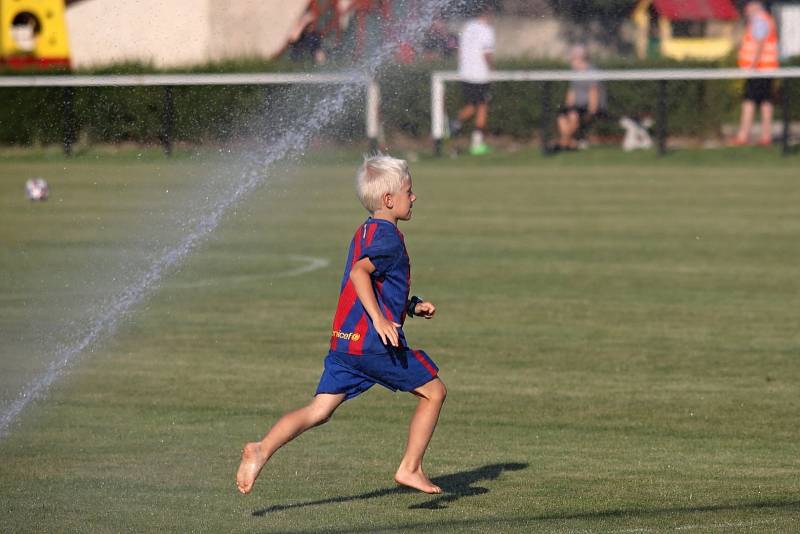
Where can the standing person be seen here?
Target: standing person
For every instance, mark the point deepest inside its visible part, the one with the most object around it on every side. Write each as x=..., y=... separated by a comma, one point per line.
x=475, y=57
x=305, y=39
x=368, y=345
x=583, y=102
x=759, y=51
x=439, y=42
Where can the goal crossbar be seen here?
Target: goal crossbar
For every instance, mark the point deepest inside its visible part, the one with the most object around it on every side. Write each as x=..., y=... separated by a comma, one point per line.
x=134, y=80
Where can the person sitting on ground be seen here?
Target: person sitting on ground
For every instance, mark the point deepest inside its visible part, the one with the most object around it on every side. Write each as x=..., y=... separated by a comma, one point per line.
x=585, y=100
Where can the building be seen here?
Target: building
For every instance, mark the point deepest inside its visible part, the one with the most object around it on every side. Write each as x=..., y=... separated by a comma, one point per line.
x=173, y=33
x=33, y=34
x=685, y=29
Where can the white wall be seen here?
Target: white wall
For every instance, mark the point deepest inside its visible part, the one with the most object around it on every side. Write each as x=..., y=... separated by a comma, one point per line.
x=789, y=29
x=252, y=28
x=168, y=33
x=530, y=38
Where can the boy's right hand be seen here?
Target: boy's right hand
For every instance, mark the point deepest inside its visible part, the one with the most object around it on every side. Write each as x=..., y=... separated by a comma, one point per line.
x=387, y=330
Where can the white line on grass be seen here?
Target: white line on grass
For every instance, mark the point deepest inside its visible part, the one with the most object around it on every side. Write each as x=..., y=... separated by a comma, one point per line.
x=312, y=264
x=308, y=264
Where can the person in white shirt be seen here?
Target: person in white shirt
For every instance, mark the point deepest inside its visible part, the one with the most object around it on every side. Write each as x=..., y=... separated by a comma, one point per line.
x=475, y=55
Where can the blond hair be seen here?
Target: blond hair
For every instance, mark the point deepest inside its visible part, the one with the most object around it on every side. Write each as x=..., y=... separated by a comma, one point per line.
x=378, y=175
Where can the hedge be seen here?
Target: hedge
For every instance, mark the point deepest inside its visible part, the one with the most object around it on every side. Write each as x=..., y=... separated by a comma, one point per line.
x=222, y=114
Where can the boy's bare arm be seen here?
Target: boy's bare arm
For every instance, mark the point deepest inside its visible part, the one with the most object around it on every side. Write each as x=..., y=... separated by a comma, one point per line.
x=360, y=276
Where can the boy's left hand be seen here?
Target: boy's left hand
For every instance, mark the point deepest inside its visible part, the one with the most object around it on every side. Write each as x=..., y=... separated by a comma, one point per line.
x=425, y=309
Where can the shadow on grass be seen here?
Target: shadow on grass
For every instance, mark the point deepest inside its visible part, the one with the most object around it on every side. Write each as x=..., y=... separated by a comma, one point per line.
x=455, y=487
x=543, y=522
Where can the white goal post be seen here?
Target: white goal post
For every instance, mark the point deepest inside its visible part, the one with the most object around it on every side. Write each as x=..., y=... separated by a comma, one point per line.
x=439, y=78
x=168, y=81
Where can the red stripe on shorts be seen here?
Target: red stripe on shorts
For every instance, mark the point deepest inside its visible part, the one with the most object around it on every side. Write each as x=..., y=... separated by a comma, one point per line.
x=421, y=358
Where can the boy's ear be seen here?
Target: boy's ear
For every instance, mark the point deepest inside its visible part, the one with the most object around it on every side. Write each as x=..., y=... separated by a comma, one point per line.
x=387, y=200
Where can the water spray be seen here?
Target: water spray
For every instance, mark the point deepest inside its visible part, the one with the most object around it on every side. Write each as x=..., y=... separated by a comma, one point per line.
x=290, y=145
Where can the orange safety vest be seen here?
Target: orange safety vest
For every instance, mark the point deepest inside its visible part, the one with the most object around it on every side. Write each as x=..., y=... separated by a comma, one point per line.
x=769, y=52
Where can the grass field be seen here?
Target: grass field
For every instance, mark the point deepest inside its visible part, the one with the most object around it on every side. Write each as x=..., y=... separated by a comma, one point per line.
x=619, y=335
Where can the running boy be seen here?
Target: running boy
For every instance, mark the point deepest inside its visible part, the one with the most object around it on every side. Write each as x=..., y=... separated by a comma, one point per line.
x=368, y=345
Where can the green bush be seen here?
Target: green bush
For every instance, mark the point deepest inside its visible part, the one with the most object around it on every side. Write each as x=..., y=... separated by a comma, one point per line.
x=221, y=114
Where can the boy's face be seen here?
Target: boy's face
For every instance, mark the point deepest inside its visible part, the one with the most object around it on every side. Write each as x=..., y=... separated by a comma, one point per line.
x=402, y=201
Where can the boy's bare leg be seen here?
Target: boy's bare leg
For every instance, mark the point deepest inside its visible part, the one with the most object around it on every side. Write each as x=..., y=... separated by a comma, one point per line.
x=567, y=126
x=766, y=123
x=564, y=131
x=746, y=121
x=288, y=427
x=423, y=423
x=481, y=116
x=466, y=112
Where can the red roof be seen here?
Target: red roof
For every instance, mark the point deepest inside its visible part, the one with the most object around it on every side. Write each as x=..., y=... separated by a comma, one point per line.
x=696, y=9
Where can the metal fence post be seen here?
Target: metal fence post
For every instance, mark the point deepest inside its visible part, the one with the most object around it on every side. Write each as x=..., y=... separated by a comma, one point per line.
x=67, y=96
x=787, y=114
x=373, y=114
x=167, y=121
x=544, y=120
x=661, y=117
x=437, y=113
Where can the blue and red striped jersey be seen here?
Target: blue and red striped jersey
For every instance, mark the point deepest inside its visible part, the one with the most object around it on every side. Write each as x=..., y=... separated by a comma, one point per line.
x=384, y=245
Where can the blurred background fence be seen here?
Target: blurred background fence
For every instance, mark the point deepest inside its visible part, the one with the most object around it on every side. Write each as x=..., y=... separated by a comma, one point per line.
x=223, y=113
x=273, y=36
x=142, y=108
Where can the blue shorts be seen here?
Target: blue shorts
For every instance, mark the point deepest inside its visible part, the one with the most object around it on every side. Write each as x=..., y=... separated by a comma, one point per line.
x=403, y=369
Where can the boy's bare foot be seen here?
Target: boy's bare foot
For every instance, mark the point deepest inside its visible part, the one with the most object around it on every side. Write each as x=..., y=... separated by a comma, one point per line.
x=250, y=467
x=417, y=480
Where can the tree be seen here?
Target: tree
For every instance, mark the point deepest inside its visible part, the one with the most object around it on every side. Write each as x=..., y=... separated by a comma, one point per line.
x=597, y=20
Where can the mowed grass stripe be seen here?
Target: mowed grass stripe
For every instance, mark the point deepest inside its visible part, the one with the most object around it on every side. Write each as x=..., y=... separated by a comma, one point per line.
x=618, y=335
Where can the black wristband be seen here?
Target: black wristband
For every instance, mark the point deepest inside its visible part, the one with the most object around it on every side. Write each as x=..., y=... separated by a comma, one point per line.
x=412, y=305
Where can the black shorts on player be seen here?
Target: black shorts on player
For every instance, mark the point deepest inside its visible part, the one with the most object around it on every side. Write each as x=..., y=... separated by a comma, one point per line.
x=758, y=90
x=584, y=117
x=476, y=93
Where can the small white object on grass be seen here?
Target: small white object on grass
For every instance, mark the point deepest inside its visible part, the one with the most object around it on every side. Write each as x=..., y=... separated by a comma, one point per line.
x=36, y=189
x=636, y=134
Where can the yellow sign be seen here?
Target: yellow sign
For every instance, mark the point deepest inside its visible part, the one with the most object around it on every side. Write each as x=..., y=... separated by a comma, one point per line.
x=33, y=33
